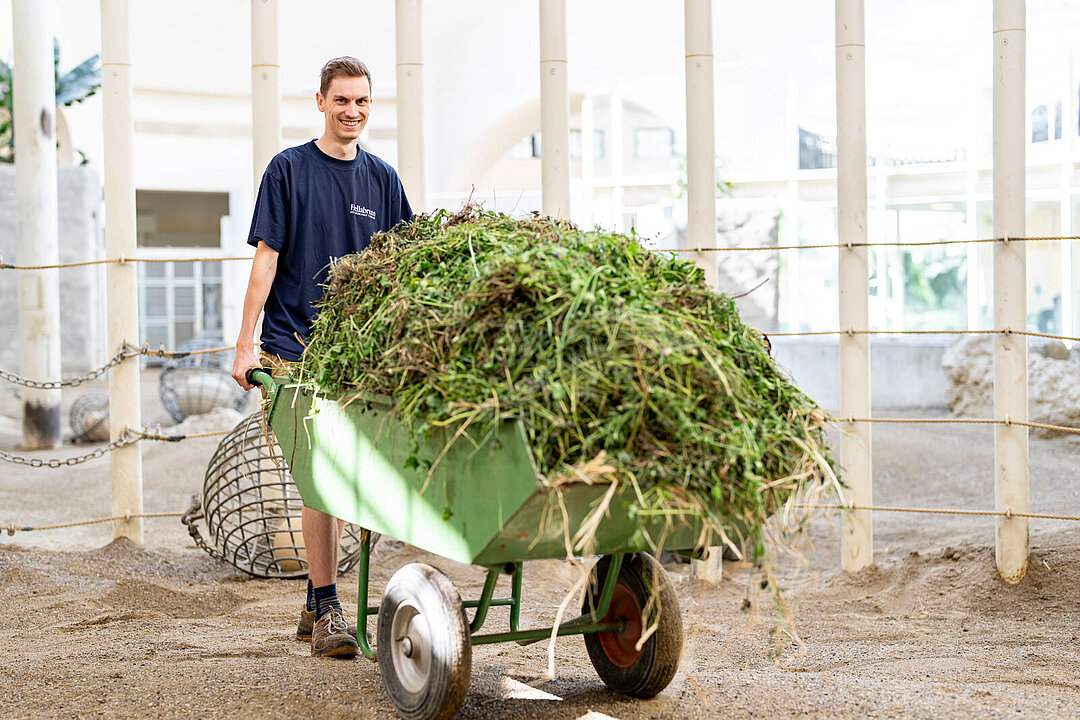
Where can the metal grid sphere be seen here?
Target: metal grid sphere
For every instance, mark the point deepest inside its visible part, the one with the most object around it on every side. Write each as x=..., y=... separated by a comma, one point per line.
x=187, y=391
x=252, y=507
x=197, y=384
x=89, y=418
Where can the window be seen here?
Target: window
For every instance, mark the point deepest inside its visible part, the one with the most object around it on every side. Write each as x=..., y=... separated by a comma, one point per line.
x=652, y=143
x=1057, y=121
x=179, y=301
x=525, y=148
x=575, y=144
x=1039, y=125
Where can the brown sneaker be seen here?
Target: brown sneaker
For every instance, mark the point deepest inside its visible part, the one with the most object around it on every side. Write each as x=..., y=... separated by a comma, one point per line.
x=307, y=621
x=330, y=636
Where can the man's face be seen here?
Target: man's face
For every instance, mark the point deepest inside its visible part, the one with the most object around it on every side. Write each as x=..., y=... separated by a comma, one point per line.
x=346, y=107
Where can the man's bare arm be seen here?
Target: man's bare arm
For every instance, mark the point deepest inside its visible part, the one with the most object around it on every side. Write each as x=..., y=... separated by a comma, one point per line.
x=263, y=270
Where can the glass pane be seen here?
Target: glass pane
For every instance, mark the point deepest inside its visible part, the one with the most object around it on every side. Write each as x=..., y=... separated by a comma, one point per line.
x=155, y=269
x=1044, y=267
x=211, y=294
x=183, y=269
x=654, y=143
x=156, y=301
x=184, y=331
x=934, y=276
x=184, y=302
x=211, y=269
x=817, y=270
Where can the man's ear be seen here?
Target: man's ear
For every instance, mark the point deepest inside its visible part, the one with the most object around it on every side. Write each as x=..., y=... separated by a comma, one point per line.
x=319, y=101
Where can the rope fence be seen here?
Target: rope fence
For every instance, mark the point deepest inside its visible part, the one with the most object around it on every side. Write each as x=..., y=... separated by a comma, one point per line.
x=833, y=246
x=852, y=331
x=116, y=261
x=12, y=528
x=757, y=248
x=1006, y=513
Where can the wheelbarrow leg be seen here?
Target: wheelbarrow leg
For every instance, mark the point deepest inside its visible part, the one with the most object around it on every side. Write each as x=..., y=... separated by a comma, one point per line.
x=515, y=596
x=362, y=609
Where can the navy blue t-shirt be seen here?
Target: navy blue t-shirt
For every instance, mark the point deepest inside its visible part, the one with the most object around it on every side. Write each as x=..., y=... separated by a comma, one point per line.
x=313, y=208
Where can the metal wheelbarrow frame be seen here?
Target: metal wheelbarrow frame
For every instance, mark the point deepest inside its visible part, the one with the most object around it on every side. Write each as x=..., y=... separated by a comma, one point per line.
x=475, y=502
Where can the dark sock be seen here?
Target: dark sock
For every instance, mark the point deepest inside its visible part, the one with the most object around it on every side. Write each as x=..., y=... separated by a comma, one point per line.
x=325, y=600
x=309, y=603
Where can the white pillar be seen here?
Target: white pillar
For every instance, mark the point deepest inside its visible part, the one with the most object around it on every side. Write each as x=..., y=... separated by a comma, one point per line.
x=701, y=173
x=410, y=100
x=554, y=110
x=588, y=162
x=618, y=152
x=700, y=135
x=857, y=546
x=265, y=92
x=36, y=210
x=121, y=279
x=1010, y=301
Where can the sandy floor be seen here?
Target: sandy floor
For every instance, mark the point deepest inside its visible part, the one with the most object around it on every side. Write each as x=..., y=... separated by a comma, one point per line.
x=95, y=629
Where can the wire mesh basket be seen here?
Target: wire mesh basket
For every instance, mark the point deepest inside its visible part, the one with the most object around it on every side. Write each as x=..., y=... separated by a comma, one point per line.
x=197, y=384
x=89, y=418
x=252, y=507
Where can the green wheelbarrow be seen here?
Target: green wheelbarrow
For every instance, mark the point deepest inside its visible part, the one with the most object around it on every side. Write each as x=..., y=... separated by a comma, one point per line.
x=480, y=504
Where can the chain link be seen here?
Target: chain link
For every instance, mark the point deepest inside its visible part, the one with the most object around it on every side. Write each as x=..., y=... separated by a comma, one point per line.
x=123, y=441
x=127, y=352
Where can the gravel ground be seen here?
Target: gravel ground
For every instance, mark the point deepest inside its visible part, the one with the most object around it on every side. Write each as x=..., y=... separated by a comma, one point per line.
x=100, y=629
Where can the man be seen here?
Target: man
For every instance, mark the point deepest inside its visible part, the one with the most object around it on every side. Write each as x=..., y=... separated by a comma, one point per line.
x=316, y=202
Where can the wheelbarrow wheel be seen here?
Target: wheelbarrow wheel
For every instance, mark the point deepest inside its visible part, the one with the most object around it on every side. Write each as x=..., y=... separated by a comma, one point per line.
x=624, y=668
x=425, y=656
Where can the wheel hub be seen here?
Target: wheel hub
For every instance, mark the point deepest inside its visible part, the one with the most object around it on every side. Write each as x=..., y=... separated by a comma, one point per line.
x=620, y=646
x=411, y=647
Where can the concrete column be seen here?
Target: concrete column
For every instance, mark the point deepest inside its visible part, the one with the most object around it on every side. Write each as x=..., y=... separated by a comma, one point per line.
x=121, y=278
x=700, y=135
x=265, y=91
x=410, y=100
x=857, y=546
x=554, y=110
x=1010, y=291
x=34, y=119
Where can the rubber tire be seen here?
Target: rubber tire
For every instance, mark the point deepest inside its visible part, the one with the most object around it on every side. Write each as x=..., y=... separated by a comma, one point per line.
x=658, y=660
x=436, y=599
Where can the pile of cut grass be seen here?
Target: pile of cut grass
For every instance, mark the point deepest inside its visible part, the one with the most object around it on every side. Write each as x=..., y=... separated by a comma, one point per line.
x=596, y=344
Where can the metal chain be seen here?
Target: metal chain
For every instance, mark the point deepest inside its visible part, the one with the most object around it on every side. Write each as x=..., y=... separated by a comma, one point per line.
x=129, y=351
x=123, y=441
x=120, y=357
x=190, y=519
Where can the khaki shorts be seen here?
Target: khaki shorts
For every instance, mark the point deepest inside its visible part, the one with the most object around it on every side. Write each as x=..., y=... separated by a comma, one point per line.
x=277, y=366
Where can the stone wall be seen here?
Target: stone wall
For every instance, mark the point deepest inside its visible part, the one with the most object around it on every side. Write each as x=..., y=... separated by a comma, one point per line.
x=82, y=294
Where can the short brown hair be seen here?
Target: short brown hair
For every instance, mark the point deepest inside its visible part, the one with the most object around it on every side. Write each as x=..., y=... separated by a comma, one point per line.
x=343, y=66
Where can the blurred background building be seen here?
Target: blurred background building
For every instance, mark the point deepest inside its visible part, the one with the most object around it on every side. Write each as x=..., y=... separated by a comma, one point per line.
x=929, y=129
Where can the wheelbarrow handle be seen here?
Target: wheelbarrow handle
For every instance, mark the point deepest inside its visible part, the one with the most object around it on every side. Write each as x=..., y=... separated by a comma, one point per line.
x=260, y=376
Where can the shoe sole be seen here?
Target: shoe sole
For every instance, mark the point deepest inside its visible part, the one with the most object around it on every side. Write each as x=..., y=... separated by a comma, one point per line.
x=341, y=651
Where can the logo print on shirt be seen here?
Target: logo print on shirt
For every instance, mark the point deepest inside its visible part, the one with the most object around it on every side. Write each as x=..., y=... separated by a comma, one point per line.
x=361, y=211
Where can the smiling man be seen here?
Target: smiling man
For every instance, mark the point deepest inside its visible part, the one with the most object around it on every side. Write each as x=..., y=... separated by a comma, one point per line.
x=316, y=202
